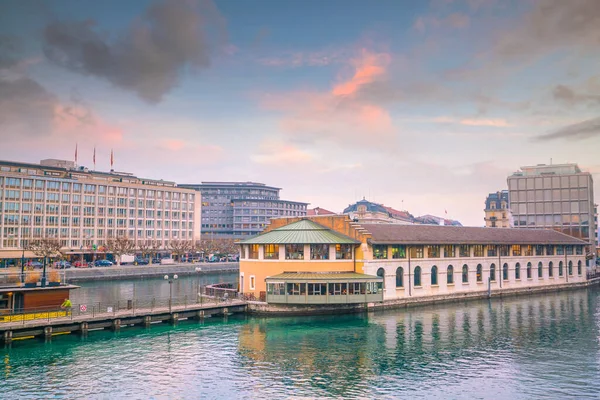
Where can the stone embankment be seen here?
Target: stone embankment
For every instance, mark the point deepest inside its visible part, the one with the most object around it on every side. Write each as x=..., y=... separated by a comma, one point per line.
x=74, y=275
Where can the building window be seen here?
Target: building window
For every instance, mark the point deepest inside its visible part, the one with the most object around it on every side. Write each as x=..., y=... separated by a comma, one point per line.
x=518, y=271
x=449, y=251
x=504, y=250
x=416, y=252
x=465, y=274
x=540, y=270
x=492, y=250
x=271, y=252
x=579, y=250
x=478, y=250
x=539, y=250
x=398, y=251
x=343, y=252
x=560, y=268
x=479, y=273
x=433, y=251
x=569, y=250
x=464, y=250
x=253, y=254
x=570, y=267
x=560, y=251
x=381, y=274
x=434, y=275
x=319, y=252
x=505, y=272
x=450, y=275
x=493, y=272
x=528, y=270
x=380, y=252
x=417, y=276
x=399, y=277
x=252, y=282
x=579, y=268
x=294, y=252
x=527, y=250
x=550, y=269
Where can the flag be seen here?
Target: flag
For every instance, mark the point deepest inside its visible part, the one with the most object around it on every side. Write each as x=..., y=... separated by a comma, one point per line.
x=94, y=157
x=111, y=158
x=75, y=153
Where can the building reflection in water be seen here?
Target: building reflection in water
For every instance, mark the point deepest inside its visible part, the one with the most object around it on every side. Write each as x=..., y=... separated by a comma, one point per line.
x=515, y=338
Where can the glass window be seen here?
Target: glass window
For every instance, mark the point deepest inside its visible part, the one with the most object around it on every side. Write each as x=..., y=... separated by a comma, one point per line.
x=528, y=270
x=479, y=273
x=570, y=267
x=433, y=251
x=416, y=251
x=560, y=251
x=560, y=268
x=319, y=252
x=505, y=272
x=450, y=275
x=381, y=274
x=517, y=271
x=271, y=252
x=253, y=252
x=434, y=275
x=343, y=252
x=449, y=251
x=492, y=250
x=516, y=250
x=478, y=250
x=464, y=250
x=417, y=276
x=540, y=270
x=398, y=251
x=399, y=277
x=380, y=251
x=493, y=272
x=465, y=274
x=550, y=269
x=579, y=267
x=294, y=252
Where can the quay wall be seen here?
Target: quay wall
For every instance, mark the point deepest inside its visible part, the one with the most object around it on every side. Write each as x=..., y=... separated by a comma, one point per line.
x=124, y=272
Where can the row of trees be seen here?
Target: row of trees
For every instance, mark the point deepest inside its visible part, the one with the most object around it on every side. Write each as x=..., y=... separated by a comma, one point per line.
x=119, y=246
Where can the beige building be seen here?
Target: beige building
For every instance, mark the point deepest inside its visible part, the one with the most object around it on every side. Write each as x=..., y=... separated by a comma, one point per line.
x=497, y=210
x=83, y=208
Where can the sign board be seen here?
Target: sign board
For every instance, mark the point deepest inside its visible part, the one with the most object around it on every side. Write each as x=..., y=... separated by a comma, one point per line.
x=109, y=309
x=82, y=308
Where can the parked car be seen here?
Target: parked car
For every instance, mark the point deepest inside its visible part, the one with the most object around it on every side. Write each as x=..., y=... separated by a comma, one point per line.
x=80, y=264
x=156, y=260
x=233, y=257
x=62, y=264
x=103, y=263
x=35, y=264
x=141, y=261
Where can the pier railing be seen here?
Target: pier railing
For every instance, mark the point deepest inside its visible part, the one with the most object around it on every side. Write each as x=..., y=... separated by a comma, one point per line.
x=13, y=277
x=121, y=308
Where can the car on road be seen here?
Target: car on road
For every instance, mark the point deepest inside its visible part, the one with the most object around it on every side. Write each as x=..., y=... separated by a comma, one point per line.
x=62, y=264
x=140, y=261
x=35, y=264
x=103, y=263
x=79, y=264
x=156, y=261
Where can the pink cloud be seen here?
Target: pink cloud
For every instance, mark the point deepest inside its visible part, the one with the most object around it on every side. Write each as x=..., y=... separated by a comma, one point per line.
x=367, y=68
x=497, y=123
x=281, y=154
x=79, y=123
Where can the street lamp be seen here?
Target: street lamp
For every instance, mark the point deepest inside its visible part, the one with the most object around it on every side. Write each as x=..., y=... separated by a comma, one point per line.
x=171, y=280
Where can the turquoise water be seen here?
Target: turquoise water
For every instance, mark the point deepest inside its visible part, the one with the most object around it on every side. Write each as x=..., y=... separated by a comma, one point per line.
x=521, y=348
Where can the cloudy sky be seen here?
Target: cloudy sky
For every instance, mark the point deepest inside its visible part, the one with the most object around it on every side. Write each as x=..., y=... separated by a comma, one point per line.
x=424, y=106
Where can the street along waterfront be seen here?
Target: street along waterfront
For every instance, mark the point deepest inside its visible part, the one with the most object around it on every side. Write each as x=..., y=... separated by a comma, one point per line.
x=520, y=348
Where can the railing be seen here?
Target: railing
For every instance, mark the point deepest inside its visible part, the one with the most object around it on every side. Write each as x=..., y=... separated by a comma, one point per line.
x=593, y=275
x=119, y=308
x=13, y=277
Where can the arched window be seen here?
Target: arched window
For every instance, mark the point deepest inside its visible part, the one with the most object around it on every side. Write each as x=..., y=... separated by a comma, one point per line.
x=417, y=276
x=560, y=268
x=399, y=277
x=381, y=274
x=479, y=273
x=450, y=279
x=550, y=271
x=579, y=267
x=528, y=270
x=540, y=270
x=505, y=272
x=465, y=274
x=570, y=267
x=434, y=275
x=517, y=271
x=493, y=272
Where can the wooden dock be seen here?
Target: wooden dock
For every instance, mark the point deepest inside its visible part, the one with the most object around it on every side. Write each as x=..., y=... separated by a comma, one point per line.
x=52, y=322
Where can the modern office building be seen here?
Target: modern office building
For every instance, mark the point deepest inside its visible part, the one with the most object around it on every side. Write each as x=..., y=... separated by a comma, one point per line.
x=83, y=208
x=241, y=209
x=497, y=210
x=560, y=197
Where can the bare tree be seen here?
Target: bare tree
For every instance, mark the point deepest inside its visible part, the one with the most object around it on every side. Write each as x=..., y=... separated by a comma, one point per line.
x=144, y=247
x=155, y=247
x=45, y=248
x=119, y=246
x=179, y=247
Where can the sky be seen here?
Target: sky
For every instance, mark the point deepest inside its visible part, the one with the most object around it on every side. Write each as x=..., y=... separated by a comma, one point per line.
x=422, y=106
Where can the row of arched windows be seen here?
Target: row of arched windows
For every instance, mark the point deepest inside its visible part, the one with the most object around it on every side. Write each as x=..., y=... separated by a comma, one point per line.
x=479, y=273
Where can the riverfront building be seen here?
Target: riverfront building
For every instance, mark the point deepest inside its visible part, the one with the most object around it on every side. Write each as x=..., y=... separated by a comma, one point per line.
x=497, y=210
x=311, y=261
x=559, y=197
x=241, y=209
x=83, y=208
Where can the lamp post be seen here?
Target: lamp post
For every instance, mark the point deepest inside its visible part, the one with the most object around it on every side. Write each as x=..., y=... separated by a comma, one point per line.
x=171, y=280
